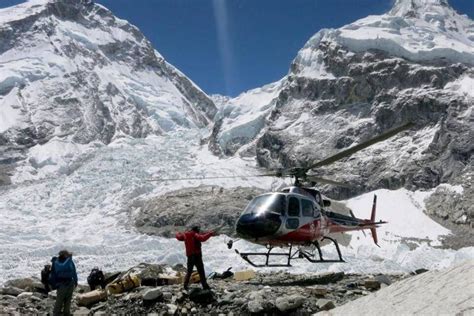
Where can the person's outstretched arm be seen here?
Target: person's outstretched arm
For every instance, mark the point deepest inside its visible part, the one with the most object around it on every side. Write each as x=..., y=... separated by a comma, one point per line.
x=180, y=236
x=204, y=236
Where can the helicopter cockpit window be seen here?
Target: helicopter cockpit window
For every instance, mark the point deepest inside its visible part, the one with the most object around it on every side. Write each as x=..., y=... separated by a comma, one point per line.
x=293, y=206
x=274, y=203
x=292, y=223
x=307, y=208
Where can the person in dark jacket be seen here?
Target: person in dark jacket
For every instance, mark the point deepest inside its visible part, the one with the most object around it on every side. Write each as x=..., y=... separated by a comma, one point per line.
x=63, y=277
x=192, y=241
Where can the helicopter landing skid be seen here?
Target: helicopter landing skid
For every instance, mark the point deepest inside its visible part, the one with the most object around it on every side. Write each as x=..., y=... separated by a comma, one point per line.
x=289, y=255
x=309, y=256
x=298, y=254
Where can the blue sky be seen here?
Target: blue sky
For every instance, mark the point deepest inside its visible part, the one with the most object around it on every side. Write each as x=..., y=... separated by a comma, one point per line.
x=228, y=47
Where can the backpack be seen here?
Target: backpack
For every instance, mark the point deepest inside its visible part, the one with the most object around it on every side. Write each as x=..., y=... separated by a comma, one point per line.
x=227, y=274
x=61, y=272
x=45, y=273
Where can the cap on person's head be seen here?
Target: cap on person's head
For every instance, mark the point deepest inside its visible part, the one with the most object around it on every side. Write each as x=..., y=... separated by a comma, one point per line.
x=195, y=229
x=64, y=254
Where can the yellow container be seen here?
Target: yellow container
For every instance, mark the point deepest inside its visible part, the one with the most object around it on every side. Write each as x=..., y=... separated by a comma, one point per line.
x=126, y=284
x=244, y=275
x=195, y=278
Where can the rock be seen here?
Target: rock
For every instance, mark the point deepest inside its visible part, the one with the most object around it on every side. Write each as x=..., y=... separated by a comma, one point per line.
x=172, y=309
x=201, y=296
x=11, y=290
x=194, y=310
x=329, y=277
x=256, y=306
x=27, y=284
x=98, y=307
x=319, y=291
x=152, y=295
x=82, y=311
x=372, y=284
x=25, y=295
x=287, y=303
x=324, y=304
x=420, y=271
x=383, y=279
x=52, y=295
x=167, y=296
x=184, y=311
x=257, y=302
x=180, y=297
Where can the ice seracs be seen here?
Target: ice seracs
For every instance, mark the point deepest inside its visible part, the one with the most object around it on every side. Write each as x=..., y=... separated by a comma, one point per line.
x=413, y=29
x=70, y=69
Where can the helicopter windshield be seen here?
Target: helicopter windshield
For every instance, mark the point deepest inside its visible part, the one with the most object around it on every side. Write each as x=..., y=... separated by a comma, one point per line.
x=274, y=203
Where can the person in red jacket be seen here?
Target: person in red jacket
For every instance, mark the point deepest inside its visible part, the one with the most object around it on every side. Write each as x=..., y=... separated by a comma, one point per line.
x=192, y=241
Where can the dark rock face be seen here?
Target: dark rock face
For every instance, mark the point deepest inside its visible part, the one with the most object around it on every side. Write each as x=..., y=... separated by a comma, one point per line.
x=371, y=94
x=209, y=207
x=454, y=211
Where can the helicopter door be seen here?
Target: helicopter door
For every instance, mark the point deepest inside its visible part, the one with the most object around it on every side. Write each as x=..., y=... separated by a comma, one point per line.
x=293, y=222
x=307, y=208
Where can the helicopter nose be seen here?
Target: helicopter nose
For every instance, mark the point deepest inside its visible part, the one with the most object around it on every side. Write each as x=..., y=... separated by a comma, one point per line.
x=257, y=226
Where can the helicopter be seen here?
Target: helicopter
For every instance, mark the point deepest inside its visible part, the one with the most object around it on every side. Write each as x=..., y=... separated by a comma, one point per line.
x=298, y=217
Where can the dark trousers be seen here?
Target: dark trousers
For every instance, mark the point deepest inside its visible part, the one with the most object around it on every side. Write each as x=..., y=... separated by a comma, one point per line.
x=63, y=300
x=195, y=260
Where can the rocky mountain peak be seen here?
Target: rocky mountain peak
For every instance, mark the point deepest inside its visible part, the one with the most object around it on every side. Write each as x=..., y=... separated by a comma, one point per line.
x=74, y=73
x=418, y=8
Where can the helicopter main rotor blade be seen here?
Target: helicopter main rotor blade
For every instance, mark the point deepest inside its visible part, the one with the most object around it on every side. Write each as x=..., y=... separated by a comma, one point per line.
x=327, y=181
x=219, y=177
x=356, y=148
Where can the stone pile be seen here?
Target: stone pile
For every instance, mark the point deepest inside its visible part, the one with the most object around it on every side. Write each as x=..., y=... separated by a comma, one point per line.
x=278, y=293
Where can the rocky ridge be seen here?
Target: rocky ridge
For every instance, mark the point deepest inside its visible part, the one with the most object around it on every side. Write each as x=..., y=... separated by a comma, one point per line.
x=210, y=207
x=267, y=293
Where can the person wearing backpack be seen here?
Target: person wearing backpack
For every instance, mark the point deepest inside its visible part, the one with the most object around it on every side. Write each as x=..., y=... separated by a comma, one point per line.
x=63, y=277
x=96, y=278
x=45, y=278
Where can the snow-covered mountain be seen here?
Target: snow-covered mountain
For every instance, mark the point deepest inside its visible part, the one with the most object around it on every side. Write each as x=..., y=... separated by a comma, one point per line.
x=73, y=76
x=414, y=63
x=89, y=112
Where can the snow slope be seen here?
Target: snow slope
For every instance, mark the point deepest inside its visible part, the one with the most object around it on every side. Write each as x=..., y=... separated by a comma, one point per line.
x=446, y=292
x=243, y=117
x=416, y=30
